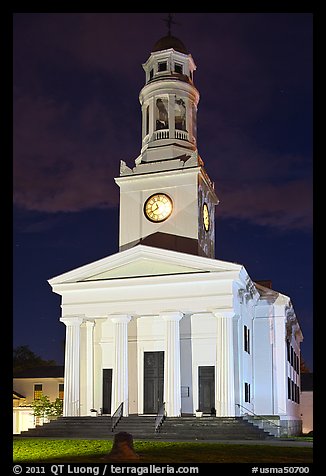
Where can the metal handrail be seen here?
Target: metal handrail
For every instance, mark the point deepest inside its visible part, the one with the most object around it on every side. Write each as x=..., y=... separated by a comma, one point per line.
x=259, y=416
x=116, y=417
x=160, y=417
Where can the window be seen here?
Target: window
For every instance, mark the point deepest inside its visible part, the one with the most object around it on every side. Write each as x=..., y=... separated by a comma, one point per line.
x=151, y=74
x=288, y=350
x=163, y=66
x=180, y=114
x=61, y=391
x=247, y=392
x=162, y=114
x=293, y=390
x=246, y=339
x=292, y=357
x=38, y=391
x=178, y=68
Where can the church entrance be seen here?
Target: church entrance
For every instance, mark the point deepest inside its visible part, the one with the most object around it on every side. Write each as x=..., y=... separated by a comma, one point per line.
x=107, y=391
x=153, y=381
x=206, y=383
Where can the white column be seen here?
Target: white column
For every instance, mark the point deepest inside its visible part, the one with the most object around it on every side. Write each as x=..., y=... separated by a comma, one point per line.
x=225, y=401
x=172, y=367
x=89, y=366
x=171, y=113
x=152, y=113
x=120, y=370
x=71, y=400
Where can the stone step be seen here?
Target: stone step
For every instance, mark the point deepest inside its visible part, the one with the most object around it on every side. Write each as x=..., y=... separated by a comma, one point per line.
x=142, y=427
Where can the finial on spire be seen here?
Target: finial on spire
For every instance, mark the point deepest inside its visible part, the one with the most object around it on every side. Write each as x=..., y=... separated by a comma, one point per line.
x=169, y=21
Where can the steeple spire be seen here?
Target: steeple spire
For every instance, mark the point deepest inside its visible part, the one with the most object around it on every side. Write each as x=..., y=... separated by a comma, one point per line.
x=169, y=21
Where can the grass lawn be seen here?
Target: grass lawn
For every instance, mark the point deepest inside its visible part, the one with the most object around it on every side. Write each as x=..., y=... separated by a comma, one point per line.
x=91, y=451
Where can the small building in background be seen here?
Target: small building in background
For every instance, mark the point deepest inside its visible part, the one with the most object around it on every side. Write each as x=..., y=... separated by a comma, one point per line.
x=306, y=404
x=29, y=385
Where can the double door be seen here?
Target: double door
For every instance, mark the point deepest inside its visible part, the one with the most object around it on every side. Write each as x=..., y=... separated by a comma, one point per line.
x=206, y=381
x=153, y=381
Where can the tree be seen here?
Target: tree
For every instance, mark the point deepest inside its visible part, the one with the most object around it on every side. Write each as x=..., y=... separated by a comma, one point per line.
x=24, y=358
x=304, y=369
x=42, y=407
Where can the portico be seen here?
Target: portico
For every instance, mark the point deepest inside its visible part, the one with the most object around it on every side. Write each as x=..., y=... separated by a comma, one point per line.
x=97, y=339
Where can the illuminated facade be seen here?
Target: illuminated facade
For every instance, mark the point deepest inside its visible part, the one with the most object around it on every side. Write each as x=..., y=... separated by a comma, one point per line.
x=162, y=320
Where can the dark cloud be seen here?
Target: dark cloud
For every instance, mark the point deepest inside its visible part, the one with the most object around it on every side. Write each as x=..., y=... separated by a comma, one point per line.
x=76, y=113
x=77, y=77
x=284, y=206
x=56, y=172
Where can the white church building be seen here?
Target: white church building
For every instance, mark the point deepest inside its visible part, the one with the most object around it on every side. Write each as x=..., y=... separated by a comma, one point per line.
x=163, y=320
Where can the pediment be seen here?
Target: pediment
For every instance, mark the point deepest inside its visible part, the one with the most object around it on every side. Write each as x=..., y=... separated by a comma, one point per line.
x=142, y=261
x=143, y=267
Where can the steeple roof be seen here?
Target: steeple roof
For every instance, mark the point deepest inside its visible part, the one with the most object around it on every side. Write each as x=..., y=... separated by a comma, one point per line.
x=170, y=41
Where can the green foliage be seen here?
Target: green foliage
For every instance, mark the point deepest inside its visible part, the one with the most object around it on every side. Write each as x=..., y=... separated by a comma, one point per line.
x=24, y=358
x=57, y=407
x=92, y=451
x=43, y=407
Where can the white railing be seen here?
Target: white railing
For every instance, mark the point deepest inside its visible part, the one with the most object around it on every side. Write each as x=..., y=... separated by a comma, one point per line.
x=183, y=135
x=165, y=134
x=161, y=134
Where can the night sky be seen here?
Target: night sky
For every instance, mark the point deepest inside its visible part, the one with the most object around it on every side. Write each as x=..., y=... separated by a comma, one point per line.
x=76, y=81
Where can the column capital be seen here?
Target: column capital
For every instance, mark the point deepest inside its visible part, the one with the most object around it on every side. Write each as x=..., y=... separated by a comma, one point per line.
x=171, y=315
x=89, y=322
x=120, y=318
x=226, y=313
x=203, y=315
x=72, y=320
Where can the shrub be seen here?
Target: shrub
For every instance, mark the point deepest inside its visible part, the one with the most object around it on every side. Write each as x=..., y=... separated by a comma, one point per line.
x=42, y=407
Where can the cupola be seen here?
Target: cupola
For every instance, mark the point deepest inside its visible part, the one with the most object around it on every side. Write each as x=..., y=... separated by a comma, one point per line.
x=169, y=102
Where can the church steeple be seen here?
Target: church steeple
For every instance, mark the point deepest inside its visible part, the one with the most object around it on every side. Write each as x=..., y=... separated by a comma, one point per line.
x=169, y=102
x=167, y=200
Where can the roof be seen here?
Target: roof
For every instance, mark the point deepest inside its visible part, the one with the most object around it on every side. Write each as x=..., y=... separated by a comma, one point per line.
x=307, y=382
x=170, y=41
x=45, y=371
x=266, y=292
x=17, y=396
x=144, y=261
x=266, y=283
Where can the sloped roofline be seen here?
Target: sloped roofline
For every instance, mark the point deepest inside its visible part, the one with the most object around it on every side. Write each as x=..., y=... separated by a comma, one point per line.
x=17, y=396
x=144, y=252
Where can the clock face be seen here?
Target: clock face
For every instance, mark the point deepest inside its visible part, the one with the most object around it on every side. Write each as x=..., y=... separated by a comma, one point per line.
x=206, y=219
x=158, y=207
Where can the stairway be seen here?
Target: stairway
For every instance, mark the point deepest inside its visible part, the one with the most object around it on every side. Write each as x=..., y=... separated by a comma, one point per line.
x=142, y=427
x=94, y=427
x=211, y=428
